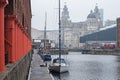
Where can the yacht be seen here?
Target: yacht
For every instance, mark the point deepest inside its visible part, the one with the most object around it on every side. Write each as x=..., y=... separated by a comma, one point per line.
x=59, y=64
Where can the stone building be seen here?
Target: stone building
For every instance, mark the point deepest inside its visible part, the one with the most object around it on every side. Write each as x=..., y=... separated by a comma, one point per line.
x=109, y=22
x=51, y=35
x=71, y=31
x=92, y=22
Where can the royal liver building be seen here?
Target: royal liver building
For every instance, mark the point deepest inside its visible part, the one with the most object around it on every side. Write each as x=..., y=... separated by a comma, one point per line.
x=71, y=31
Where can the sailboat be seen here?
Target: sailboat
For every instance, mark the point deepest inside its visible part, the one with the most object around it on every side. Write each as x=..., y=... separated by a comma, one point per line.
x=46, y=56
x=59, y=64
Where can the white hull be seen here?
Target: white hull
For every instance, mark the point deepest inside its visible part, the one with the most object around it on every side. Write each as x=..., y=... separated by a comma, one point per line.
x=64, y=69
x=59, y=69
x=58, y=65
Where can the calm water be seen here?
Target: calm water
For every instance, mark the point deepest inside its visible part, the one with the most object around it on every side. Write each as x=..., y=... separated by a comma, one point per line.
x=91, y=67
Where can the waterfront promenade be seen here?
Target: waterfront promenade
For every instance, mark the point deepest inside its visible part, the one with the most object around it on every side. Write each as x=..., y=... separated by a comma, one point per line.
x=37, y=72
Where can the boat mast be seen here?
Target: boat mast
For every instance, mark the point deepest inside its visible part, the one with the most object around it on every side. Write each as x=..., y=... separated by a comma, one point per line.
x=59, y=33
x=45, y=32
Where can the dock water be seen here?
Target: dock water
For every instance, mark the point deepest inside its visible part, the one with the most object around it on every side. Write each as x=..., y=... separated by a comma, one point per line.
x=36, y=72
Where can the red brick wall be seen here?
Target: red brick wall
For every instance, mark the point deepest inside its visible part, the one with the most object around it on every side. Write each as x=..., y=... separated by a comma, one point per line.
x=21, y=8
x=118, y=32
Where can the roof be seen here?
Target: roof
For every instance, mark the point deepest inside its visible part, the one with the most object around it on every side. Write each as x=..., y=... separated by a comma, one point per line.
x=91, y=15
x=101, y=29
x=104, y=34
x=107, y=27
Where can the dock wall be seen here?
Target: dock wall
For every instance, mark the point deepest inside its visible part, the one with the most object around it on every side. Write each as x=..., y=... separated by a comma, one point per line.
x=102, y=51
x=18, y=70
x=56, y=51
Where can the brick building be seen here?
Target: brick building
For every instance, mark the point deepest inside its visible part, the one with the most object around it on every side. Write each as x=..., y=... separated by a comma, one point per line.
x=118, y=32
x=22, y=10
x=15, y=31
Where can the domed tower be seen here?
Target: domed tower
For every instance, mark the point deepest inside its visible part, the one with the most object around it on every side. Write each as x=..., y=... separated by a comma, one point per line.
x=65, y=19
x=91, y=15
x=65, y=13
x=65, y=22
x=92, y=22
x=99, y=15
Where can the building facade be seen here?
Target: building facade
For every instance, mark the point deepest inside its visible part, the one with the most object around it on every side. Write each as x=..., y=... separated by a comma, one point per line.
x=104, y=35
x=51, y=35
x=22, y=10
x=15, y=34
x=110, y=22
x=71, y=31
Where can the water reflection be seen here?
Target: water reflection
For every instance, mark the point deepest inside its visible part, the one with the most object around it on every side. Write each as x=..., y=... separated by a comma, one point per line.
x=118, y=67
x=91, y=67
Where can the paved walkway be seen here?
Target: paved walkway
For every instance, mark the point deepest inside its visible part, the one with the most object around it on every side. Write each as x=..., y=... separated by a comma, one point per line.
x=37, y=72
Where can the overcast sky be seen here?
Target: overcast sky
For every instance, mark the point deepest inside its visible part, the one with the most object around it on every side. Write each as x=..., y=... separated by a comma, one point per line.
x=78, y=10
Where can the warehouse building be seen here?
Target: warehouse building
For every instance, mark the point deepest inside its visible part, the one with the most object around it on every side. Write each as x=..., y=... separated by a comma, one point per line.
x=104, y=35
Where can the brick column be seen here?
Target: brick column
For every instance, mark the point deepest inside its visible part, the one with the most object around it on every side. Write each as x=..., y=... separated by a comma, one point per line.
x=3, y=3
x=10, y=26
x=118, y=32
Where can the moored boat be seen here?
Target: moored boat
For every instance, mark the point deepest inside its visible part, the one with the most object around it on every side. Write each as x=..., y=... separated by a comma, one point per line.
x=58, y=65
x=46, y=57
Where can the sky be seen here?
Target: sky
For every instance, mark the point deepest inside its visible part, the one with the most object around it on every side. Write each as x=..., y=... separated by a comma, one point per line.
x=78, y=11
